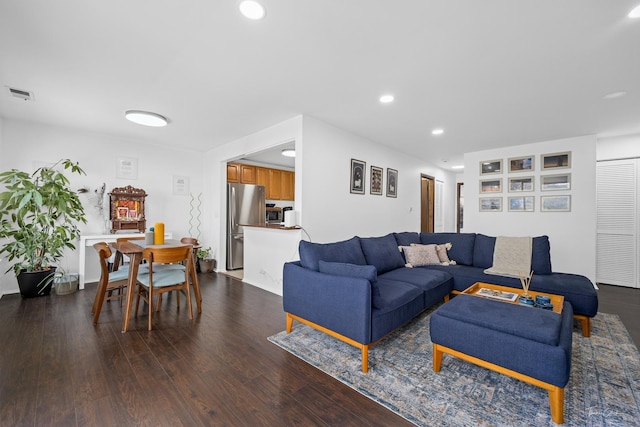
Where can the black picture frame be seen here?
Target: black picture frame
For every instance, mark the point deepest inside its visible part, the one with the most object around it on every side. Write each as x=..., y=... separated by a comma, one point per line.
x=392, y=182
x=375, y=186
x=358, y=176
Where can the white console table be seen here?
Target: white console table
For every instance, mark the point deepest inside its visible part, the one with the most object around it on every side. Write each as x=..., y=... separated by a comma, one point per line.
x=89, y=241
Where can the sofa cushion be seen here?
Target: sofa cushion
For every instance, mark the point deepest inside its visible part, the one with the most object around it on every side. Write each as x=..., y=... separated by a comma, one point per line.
x=368, y=272
x=483, y=251
x=419, y=255
x=443, y=255
x=406, y=238
x=541, y=255
x=395, y=294
x=382, y=252
x=461, y=245
x=347, y=251
x=435, y=284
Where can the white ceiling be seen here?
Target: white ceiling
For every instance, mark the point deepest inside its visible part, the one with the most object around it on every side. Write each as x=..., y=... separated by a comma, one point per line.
x=492, y=73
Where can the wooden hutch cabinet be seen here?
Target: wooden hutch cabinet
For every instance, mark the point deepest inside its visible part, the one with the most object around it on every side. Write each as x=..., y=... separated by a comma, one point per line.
x=127, y=209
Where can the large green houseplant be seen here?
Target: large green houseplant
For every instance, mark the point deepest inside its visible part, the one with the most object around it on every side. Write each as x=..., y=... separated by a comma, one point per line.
x=39, y=216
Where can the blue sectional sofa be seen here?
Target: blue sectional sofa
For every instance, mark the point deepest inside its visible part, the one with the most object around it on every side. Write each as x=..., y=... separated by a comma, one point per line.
x=359, y=290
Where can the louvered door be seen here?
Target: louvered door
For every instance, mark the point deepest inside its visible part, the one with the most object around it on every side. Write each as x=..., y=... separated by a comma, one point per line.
x=617, y=222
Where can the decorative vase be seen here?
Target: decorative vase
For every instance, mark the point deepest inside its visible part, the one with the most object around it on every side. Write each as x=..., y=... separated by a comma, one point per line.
x=66, y=283
x=207, y=265
x=36, y=283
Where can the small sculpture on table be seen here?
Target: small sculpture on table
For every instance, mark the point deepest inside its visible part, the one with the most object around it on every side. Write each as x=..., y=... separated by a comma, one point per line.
x=525, y=298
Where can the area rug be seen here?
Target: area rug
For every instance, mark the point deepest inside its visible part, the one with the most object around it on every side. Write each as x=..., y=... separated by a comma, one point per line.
x=604, y=388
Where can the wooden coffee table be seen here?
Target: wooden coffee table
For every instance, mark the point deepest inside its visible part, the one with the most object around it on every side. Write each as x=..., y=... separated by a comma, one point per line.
x=556, y=300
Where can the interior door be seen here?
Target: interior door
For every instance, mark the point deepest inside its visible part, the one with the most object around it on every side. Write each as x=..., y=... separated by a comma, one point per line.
x=427, y=203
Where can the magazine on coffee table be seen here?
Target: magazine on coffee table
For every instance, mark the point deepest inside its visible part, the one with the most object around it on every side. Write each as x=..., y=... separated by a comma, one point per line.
x=495, y=294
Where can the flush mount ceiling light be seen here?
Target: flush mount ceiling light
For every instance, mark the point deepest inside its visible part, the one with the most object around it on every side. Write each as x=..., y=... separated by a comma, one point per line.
x=252, y=10
x=457, y=167
x=437, y=131
x=635, y=13
x=614, y=95
x=289, y=152
x=385, y=99
x=145, y=118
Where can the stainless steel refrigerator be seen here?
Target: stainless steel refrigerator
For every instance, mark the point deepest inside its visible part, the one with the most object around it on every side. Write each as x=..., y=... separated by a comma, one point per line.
x=245, y=205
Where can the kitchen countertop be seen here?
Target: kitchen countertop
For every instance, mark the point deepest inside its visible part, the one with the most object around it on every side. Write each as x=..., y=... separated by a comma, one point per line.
x=271, y=226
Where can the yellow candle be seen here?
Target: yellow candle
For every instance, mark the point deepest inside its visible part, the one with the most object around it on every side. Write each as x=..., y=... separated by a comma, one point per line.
x=158, y=233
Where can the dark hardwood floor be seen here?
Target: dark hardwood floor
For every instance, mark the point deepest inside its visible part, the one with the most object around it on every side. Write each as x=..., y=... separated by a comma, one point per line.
x=57, y=369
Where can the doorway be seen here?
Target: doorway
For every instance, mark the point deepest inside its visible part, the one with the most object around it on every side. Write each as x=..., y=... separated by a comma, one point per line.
x=427, y=203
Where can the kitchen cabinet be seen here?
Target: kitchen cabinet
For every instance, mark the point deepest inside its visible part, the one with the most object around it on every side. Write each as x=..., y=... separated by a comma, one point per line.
x=275, y=184
x=288, y=185
x=279, y=184
x=233, y=172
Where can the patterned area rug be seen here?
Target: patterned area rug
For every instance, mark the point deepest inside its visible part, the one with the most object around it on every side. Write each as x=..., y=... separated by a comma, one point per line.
x=604, y=388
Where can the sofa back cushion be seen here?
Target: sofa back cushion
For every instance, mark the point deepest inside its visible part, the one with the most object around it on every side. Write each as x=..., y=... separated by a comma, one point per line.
x=382, y=252
x=368, y=272
x=406, y=238
x=541, y=255
x=346, y=251
x=483, y=251
x=461, y=245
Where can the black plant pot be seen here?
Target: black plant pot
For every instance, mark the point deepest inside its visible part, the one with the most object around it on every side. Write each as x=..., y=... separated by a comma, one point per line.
x=36, y=283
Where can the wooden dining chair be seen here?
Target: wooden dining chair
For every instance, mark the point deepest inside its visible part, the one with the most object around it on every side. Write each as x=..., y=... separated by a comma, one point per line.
x=156, y=282
x=119, y=259
x=111, y=284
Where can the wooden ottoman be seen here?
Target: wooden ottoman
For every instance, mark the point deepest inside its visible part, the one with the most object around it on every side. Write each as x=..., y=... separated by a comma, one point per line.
x=526, y=343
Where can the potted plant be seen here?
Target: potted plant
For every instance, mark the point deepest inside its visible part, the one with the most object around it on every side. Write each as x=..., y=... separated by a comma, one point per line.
x=39, y=213
x=205, y=262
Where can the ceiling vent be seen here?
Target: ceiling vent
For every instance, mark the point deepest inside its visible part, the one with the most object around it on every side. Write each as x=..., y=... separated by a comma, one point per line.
x=19, y=93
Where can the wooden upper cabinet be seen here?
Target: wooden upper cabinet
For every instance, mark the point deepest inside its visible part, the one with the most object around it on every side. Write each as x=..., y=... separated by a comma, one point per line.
x=275, y=184
x=262, y=177
x=279, y=184
x=247, y=174
x=233, y=172
x=288, y=185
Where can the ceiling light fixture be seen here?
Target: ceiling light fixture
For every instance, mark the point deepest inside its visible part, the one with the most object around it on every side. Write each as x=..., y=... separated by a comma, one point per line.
x=145, y=118
x=457, y=167
x=385, y=99
x=437, y=131
x=289, y=152
x=252, y=10
x=635, y=13
x=614, y=95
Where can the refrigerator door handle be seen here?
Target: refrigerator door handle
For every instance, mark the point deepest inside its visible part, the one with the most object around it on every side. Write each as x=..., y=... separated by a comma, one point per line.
x=233, y=208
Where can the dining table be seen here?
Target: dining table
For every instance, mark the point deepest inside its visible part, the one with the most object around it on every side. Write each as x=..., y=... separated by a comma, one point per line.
x=133, y=249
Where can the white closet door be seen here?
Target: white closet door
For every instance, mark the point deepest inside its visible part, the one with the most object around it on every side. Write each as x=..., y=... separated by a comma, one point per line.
x=617, y=222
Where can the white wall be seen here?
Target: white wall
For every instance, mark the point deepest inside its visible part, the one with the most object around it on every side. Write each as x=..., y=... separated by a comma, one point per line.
x=330, y=212
x=619, y=147
x=26, y=144
x=572, y=234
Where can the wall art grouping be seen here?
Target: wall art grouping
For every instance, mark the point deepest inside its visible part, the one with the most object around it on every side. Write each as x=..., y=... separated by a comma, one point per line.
x=491, y=185
x=358, y=178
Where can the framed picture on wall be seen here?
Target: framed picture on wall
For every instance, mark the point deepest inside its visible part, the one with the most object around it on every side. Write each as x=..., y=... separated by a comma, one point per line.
x=376, y=181
x=556, y=160
x=490, y=166
x=358, y=173
x=555, y=182
x=491, y=185
x=490, y=204
x=392, y=182
x=555, y=203
x=521, y=204
x=521, y=164
x=524, y=183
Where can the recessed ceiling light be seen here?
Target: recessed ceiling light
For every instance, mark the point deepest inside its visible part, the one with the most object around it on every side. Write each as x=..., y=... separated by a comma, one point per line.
x=145, y=118
x=457, y=167
x=635, y=13
x=252, y=9
x=437, y=132
x=289, y=152
x=385, y=99
x=614, y=95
